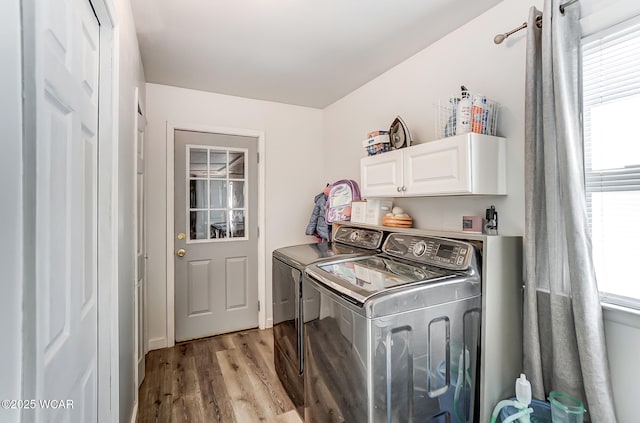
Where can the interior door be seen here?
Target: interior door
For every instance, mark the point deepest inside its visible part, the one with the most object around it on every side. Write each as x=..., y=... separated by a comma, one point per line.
x=140, y=291
x=216, y=234
x=66, y=340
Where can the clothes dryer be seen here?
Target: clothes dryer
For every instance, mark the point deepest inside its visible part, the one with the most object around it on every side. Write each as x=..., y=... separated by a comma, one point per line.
x=289, y=300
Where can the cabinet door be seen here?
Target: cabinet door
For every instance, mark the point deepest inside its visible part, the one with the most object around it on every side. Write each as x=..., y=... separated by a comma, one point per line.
x=438, y=167
x=381, y=175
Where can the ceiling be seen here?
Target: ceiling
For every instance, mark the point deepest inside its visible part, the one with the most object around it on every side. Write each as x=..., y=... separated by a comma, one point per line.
x=291, y=51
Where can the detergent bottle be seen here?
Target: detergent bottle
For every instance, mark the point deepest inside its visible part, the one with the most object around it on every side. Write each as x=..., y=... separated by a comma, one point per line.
x=523, y=395
x=463, y=114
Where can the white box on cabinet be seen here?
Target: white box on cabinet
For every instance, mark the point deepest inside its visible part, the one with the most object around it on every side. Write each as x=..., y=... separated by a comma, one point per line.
x=358, y=211
x=376, y=209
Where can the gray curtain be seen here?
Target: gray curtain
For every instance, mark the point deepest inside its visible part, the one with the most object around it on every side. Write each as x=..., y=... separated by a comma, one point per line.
x=564, y=346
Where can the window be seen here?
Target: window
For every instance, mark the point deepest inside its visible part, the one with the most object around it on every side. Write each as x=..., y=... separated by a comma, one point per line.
x=216, y=202
x=611, y=106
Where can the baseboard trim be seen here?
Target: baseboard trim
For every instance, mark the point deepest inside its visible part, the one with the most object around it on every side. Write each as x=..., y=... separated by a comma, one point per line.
x=134, y=414
x=157, y=343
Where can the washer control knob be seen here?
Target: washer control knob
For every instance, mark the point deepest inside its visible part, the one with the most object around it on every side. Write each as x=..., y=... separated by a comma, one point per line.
x=419, y=248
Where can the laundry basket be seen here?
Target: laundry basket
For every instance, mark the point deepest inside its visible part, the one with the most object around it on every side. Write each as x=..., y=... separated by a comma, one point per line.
x=484, y=116
x=541, y=411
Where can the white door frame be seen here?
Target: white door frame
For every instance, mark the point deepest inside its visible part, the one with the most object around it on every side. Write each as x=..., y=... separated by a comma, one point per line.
x=108, y=355
x=108, y=343
x=262, y=280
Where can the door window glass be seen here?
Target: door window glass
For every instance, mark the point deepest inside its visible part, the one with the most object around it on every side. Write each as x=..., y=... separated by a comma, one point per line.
x=197, y=194
x=236, y=165
x=217, y=185
x=237, y=223
x=218, y=194
x=237, y=194
x=199, y=222
x=197, y=162
x=218, y=163
x=218, y=224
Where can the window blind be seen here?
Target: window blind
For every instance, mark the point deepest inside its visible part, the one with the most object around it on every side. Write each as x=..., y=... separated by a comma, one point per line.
x=611, y=108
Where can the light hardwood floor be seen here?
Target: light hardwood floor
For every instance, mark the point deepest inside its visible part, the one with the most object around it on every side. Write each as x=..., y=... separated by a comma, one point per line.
x=226, y=378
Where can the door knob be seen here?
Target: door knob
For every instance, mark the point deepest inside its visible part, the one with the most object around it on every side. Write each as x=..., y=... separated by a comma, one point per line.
x=181, y=252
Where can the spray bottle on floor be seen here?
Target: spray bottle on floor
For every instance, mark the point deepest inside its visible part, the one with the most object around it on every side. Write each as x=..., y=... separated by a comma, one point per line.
x=522, y=401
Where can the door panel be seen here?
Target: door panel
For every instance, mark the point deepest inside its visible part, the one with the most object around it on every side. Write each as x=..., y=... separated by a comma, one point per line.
x=90, y=220
x=140, y=289
x=236, y=283
x=198, y=286
x=140, y=247
x=216, y=281
x=66, y=338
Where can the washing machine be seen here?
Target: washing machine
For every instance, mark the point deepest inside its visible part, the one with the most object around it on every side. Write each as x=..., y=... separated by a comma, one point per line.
x=289, y=300
x=395, y=336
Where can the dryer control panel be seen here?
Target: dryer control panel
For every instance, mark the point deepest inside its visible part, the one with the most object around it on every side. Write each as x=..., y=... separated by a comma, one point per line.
x=369, y=239
x=440, y=252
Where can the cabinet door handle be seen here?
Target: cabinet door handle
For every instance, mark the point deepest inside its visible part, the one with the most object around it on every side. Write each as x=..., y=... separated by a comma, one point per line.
x=398, y=189
x=404, y=188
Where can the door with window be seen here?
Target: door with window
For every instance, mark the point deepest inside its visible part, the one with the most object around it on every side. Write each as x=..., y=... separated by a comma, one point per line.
x=216, y=234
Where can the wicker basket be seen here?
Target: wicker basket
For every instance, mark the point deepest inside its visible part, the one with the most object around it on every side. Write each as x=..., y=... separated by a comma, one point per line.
x=397, y=221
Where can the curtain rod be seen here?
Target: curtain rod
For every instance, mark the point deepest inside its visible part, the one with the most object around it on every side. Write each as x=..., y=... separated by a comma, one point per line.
x=501, y=37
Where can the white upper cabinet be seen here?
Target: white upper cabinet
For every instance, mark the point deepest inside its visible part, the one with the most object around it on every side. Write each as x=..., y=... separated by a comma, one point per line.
x=382, y=175
x=468, y=164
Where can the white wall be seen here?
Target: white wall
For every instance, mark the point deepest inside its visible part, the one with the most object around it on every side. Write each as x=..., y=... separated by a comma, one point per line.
x=130, y=76
x=293, y=158
x=468, y=56
x=11, y=252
